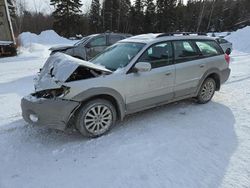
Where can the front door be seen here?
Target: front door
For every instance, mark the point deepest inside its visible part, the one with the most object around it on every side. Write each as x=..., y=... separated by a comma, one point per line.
x=146, y=89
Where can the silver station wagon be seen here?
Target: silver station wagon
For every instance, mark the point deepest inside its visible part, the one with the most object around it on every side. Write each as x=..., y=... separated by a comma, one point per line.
x=132, y=75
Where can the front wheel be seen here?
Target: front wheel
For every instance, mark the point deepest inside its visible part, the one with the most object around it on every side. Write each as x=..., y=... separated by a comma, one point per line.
x=207, y=91
x=96, y=118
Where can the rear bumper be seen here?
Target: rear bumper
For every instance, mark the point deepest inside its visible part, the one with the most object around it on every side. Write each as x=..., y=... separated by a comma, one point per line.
x=52, y=113
x=225, y=75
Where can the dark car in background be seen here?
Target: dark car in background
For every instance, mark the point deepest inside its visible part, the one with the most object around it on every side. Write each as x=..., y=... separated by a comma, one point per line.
x=89, y=46
x=225, y=45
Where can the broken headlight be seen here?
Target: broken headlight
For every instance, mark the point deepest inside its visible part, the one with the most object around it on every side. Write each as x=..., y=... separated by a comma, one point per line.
x=52, y=93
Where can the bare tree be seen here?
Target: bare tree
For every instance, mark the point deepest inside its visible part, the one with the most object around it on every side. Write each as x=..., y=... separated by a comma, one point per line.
x=21, y=7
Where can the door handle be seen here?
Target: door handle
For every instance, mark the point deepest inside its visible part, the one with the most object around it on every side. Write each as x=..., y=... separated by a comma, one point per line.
x=202, y=66
x=168, y=74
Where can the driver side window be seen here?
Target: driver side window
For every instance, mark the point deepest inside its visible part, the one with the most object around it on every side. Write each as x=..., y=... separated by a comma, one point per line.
x=158, y=55
x=99, y=41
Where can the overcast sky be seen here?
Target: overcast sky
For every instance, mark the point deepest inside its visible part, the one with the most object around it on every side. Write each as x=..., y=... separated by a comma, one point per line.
x=43, y=5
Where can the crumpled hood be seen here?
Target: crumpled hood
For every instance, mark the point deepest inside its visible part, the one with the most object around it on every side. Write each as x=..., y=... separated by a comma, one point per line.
x=60, y=48
x=58, y=68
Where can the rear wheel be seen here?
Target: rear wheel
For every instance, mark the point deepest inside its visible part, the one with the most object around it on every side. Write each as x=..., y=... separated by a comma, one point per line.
x=96, y=118
x=207, y=91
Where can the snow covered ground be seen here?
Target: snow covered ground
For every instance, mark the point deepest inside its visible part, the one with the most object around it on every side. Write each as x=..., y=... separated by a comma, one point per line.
x=179, y=145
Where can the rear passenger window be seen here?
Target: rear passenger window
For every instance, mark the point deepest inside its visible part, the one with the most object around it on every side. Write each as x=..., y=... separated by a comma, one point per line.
x=185, y=51
x=99, y=41
x=208, y=48
x=158, y=55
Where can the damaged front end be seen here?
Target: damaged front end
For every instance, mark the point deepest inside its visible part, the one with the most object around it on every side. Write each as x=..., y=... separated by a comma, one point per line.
x=61, y=68
x=47, y=105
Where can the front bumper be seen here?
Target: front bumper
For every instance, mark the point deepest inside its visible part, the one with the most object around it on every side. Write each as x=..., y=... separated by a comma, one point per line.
x=52, y=113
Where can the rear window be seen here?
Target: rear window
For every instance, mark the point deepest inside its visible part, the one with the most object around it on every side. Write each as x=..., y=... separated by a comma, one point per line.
x=209, y=48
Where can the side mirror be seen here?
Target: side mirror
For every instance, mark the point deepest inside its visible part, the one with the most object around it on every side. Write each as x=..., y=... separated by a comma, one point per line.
x=228, y=51
x=142, y=67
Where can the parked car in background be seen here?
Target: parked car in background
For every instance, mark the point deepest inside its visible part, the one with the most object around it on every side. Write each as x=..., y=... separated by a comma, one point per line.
x=132, y=75
x=89, y=46
x=226, y=45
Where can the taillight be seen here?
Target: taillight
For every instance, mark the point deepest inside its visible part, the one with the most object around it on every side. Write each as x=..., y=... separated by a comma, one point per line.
x=227, y=58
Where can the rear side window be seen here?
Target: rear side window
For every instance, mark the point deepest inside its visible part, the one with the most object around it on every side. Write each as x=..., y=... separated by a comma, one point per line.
x=114, y=38
x=99, y=41
x=185, y=51
x=208, y=48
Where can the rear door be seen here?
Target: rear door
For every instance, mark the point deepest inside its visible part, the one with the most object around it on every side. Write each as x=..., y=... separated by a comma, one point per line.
x=189, y=67
x=147, y=89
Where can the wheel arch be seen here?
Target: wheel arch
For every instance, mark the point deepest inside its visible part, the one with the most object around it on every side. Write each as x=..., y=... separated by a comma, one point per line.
x=216, y=78
x=108, y=94
x=212, y=73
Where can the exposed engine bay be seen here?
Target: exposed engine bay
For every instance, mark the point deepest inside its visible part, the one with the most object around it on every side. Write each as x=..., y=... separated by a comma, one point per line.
x=82, y=73
x=51, y=93
x=61, y=68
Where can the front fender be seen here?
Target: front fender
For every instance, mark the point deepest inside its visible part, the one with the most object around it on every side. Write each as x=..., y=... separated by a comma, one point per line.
x=95, y=92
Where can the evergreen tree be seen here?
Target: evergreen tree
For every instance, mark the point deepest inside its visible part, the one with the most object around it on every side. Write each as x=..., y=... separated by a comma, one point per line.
x=108, y=15
x=123, y=16
x=67, y=16
x=137, y=17
x=179, y=23
x=217, y=18
x=149, y=19
x=231, y=14
x=115, y=15
x=94, y=17
x=191, y=14
x=166, y=15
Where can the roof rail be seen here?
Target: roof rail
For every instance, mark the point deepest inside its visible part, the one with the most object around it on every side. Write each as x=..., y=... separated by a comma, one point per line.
x=181, y=33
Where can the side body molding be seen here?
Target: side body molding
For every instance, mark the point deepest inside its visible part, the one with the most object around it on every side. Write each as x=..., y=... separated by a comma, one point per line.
x=95, y=92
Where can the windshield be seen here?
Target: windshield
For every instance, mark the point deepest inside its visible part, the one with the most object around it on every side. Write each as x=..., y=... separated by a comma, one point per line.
x=118, y=55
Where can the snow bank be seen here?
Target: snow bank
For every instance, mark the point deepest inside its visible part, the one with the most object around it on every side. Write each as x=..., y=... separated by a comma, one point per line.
x=47, y=38
x=39, y=45
x=240, y=39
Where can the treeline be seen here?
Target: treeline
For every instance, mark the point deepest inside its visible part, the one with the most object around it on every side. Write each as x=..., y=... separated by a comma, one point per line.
x=146, y=16
x=143, y=16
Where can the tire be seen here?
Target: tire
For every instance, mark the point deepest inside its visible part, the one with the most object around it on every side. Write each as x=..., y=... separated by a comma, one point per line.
x=96, y=118
x=207, y=91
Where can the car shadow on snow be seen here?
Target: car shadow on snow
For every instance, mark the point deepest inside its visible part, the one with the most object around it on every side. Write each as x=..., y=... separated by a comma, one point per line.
x=180, y=144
